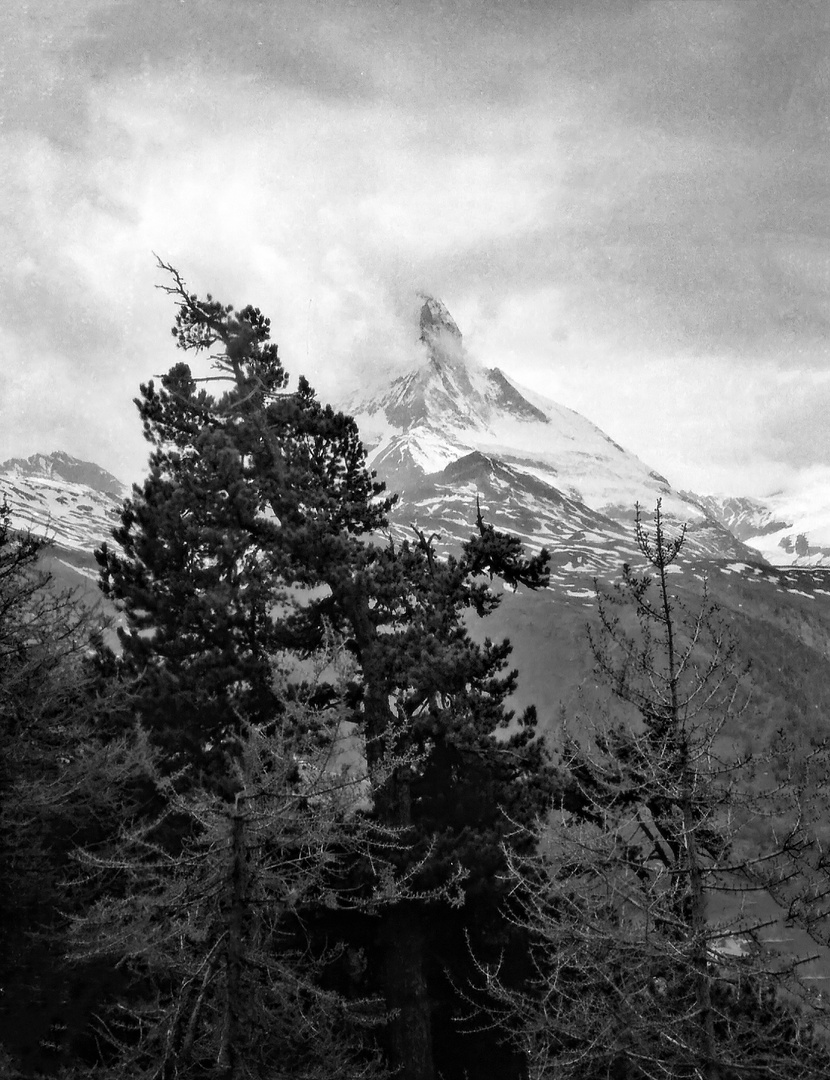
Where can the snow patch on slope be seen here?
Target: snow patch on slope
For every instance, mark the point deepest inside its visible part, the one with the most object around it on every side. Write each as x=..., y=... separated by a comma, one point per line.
x=44, y=499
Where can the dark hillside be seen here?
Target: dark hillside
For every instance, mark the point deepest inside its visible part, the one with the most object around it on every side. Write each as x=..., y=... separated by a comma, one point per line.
x=781, y=629
x=780, y=621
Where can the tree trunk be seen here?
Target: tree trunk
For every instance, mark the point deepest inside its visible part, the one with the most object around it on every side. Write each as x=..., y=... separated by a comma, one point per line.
x=700, y=938
x=403, y=973
x=228, y=1058
x=410, y=1029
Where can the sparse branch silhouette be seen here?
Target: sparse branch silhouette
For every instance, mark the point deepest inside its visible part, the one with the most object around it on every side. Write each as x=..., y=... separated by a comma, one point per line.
x=648, y=963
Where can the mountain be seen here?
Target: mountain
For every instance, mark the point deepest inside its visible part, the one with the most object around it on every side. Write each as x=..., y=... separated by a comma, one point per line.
x=450, y=431
x=746, y=518
x=788, y=528
x=60, y=467
x=73, y=503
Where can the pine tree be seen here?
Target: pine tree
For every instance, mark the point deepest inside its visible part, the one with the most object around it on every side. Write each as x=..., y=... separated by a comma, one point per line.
x=202, y=905
x=642, y=970
x=255, y=534
x=243, y=492
x=426, y=683
x=56, y=768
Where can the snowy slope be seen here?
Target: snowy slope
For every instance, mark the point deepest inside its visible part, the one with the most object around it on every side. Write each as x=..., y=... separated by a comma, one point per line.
x=789, y=528
x=745, y=517
x=449, y=430
x=74, y=503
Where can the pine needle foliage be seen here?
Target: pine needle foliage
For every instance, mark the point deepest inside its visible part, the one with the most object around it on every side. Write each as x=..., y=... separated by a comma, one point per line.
x=203, y=908
x=49, y=705
x=258, y=532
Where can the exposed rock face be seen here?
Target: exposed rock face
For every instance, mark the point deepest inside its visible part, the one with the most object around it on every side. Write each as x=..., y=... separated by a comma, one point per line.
x=437, y=323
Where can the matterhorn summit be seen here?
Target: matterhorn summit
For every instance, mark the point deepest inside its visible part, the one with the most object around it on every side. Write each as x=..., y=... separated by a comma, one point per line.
x=450, y=431
x=440, y=409
x=437, y=325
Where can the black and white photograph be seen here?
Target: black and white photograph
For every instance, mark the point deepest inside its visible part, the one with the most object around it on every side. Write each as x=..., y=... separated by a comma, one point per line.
x=415, y=540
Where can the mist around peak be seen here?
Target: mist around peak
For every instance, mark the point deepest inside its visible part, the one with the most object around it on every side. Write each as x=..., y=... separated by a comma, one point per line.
x=448, y=431
x=436, y=322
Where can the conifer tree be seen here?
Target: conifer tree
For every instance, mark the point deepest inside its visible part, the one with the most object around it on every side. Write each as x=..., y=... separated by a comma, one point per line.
x=202, y=906
x=649, y=961
x=243, y=491
x=255, y=496
x=439, y=694
x=60, y=785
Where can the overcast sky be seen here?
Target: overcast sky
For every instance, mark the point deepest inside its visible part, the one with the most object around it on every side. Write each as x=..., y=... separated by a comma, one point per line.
x=623, y=204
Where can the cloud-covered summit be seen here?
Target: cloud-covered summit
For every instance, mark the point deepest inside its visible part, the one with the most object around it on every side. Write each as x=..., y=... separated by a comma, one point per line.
x=616, y=195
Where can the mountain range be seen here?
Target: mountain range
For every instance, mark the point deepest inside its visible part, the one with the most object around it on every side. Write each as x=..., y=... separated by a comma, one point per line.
x=450, y=434
x=789, y=528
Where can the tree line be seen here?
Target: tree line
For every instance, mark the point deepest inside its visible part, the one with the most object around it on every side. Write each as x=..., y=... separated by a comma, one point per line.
x=290, y=827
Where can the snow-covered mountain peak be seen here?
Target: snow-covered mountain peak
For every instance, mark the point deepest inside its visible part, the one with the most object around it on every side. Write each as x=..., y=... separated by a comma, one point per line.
x=448, y=405
x=445, y=390
x=543, y=457
x=72, y=502
x=789, y=528
x=62, y=466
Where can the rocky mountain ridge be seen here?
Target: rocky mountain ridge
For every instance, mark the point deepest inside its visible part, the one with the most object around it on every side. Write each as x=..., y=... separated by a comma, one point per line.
x=73, y=503
x=788, y=528
x=61, y=466
x=449, y=432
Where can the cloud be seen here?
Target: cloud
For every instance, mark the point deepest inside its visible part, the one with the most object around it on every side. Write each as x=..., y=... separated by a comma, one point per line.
x=608, y=196
x=795, y=425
